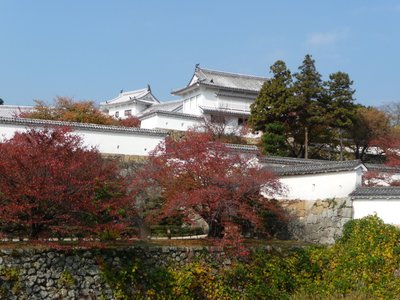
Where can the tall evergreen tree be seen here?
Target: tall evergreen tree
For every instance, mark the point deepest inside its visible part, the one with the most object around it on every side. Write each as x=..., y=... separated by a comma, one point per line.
x=272, y=103
x=341, y=106
x=309, y=95
x=1, y=101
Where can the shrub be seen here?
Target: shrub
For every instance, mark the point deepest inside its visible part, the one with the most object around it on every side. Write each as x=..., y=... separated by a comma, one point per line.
x=364, y=261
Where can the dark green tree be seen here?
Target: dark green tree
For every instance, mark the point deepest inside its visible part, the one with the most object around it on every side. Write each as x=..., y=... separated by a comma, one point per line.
x=274, y=141
x=1, y=101
x=273, y=102
x=308, y=104
x=341, y=109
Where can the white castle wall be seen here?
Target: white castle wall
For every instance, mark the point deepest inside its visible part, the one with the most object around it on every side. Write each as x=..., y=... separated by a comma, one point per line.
x=386, y=209
x=107, y=139
x=170, y=122
x=320, y=186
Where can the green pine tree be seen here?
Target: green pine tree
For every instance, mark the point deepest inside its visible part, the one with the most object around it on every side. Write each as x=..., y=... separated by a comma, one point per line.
x=309, y=99
x=272, y=103
x=341, y=106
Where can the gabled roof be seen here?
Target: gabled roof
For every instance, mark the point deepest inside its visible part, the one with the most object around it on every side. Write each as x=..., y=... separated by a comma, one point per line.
x=142, y=95
x=376, y=192
x=224, y=80
x=171, y=106
x=317, y=168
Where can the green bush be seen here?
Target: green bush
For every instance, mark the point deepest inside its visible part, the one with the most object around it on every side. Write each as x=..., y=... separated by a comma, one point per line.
x=365, y=259
x=363, y=264
x=135, y=280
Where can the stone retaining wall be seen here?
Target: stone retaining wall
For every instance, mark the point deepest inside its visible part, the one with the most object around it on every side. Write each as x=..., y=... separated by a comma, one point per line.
x=76, y=274
x=319, y=221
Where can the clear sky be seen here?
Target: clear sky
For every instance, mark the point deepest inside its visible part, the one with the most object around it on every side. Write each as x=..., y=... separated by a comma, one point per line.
x=91, y=49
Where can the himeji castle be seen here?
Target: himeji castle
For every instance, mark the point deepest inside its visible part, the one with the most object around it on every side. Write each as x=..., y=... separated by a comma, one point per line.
x=210, y=96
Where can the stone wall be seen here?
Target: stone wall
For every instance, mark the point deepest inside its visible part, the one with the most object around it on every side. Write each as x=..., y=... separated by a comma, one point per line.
x=76, y=274
x=319, y=221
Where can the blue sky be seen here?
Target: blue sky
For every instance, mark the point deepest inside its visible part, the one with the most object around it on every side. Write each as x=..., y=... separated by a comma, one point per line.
x=94, y=48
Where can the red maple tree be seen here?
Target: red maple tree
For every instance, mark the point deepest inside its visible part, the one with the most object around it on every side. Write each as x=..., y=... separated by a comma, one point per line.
x=130, y=121
x=50, y=183
x=388, y=147
x=198, y=175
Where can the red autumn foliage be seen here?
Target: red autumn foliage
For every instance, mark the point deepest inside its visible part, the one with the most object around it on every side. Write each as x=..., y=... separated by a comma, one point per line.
x=51, y=184
x=66, y=109
x=197, y=175
x=130, y=121
x=388, y=146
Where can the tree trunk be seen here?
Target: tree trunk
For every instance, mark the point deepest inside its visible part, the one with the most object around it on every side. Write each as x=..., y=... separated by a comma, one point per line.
x=35, y=230
x=215, y=229
x=306, y=142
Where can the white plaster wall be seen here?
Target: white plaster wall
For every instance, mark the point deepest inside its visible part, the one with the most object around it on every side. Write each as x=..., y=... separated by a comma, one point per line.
x=120, y=143
x=234, y=103
x=210, y=98
x=320, y=186
x=136, y=108
x=150, y=122
x=8, y=131
x=198, y=97
x=106, y=142
x=205, y=96
x=387, y=210
x=169, y=122
x=191, y=104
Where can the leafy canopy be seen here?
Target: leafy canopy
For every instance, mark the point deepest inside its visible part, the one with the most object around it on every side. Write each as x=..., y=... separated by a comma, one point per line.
x=66, y=109
x=197, y=175
x=50, y=183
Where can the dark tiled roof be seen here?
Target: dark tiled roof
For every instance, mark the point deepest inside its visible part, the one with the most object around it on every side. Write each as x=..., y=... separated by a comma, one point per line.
x=382, y=168
x=83, y=126
x=241, y=147
x=317, y=168
x=225, y=80
x=286, y=161
x=376, y=192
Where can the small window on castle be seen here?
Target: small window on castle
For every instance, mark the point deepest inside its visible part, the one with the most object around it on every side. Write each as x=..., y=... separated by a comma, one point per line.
x=242, y=121
x=218, y=119
x=117, y=114
x=128, y=112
